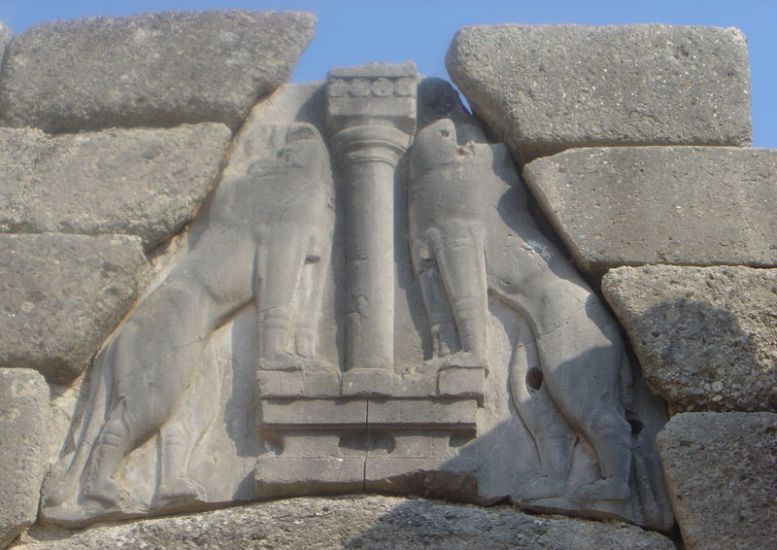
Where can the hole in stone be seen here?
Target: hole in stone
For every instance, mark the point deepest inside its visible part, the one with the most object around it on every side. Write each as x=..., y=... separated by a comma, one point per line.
x=534, y=378
x=445, y=133
x=636, y=426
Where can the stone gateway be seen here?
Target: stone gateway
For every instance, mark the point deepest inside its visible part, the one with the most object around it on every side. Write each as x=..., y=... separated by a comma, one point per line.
x=352, y=287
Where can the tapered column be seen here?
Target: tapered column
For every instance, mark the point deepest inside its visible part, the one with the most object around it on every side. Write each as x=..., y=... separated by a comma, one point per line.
x=371, y=117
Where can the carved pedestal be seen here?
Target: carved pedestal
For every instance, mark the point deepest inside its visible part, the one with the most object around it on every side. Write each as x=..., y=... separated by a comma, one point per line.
x=325, y=437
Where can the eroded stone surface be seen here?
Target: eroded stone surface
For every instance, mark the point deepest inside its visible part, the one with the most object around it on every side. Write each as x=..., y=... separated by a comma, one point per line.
x=721, y=470
x=706, y=337
x=24, y=419
x=360, y=522
x=159, y=69
x=60, y=296
x=661, y=205
x=545, y=88
x=144, y=182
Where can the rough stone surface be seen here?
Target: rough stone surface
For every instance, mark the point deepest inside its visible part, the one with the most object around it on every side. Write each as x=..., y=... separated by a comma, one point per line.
x=706, y=337
x=661, y=205
x=144, y=182
x=721, y=470
x=60, y=296
x=370, y=522
x=158, y=69
x=24, y=418
x=543, y=88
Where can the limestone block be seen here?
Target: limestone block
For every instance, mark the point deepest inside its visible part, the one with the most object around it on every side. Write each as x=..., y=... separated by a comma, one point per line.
x=360, y=522
x=61, y=296
x=144, y=182
x=159, y=69
x=546, y=88
x=24, y=419
x=705, y=336
x=721, y=470
x=661, y=205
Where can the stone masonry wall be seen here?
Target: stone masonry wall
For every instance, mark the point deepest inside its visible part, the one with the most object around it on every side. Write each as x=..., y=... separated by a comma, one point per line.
x=634, y=141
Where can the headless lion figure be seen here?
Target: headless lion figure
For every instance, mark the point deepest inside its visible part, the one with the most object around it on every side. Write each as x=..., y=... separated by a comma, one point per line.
x=268, y=237
x=472, y=236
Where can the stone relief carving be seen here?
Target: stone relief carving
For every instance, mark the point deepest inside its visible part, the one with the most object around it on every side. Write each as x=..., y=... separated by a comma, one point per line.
x=267, y=239
x=462, y=191
x=426, y=339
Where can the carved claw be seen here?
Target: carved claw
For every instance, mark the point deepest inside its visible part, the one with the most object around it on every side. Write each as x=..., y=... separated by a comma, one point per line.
x=305, y=345
x=604, y=489
x=541, y=488
x=440, y=346
x=463, y=359
x=281, y=360
x=106, y=491
x=319, y=366
x=180, y=488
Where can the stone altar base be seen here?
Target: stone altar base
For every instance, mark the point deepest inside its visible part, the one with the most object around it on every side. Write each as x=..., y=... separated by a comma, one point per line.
x=367, y=430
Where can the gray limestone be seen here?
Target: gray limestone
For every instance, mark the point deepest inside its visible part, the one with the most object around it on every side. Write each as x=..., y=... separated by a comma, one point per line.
x=721, y=470
x=60, y=296
x=661, y=205
x=24, y=429
x=144, y=182
x=159, y=69
x=705, y=336
x=366, y=522
x=545, y=88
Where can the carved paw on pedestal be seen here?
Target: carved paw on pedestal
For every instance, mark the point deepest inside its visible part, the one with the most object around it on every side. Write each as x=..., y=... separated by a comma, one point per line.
x=106, y=491
x=462, y=359
x=541, y=487
x=281, y=360
x=180, y=488
x=458, y=360
x=603, y=489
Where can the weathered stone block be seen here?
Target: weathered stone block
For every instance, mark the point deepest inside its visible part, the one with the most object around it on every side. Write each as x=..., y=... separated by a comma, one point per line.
x=661, y=205
x=721, y=471
x=705, y=336
x=361, y=522
x=60, y=296
x=144, y=182
x=24, y=421
x=545, y=88
x=159, y=69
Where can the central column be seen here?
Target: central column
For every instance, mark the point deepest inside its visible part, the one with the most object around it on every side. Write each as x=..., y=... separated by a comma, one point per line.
x=371, y=117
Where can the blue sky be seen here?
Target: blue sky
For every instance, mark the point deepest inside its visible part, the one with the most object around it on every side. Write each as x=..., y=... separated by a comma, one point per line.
x=352, y=32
